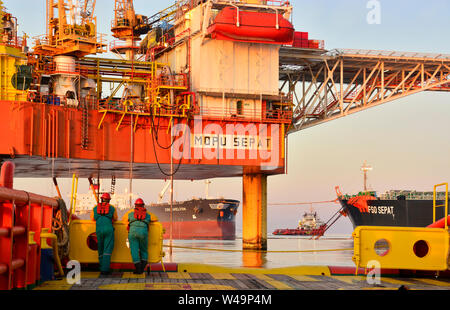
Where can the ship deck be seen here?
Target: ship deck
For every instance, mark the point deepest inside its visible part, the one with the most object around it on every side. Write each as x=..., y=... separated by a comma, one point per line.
x=188, y=277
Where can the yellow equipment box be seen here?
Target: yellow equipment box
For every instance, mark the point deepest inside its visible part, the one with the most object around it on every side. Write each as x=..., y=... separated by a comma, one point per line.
x=83, y=242
x=10, y=59
x=401, y=247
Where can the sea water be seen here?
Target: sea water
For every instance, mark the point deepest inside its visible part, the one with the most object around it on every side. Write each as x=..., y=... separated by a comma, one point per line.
x=282, y=251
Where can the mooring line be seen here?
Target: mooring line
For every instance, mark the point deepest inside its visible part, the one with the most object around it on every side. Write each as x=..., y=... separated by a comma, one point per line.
x=258, y=251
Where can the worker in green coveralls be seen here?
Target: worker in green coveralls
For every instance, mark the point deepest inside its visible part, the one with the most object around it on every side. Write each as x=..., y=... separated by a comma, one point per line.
x=138, y=222
x=104, y=215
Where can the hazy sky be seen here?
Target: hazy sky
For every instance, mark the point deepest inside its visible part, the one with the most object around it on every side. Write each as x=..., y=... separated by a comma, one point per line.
x=406, y=141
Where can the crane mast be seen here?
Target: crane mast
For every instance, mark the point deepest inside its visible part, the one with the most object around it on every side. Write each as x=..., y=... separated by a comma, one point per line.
x=127, y=27
x=71, y=30
x=124, y=20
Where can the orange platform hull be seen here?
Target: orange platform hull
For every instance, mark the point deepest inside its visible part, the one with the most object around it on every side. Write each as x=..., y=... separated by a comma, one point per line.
x=44, y=139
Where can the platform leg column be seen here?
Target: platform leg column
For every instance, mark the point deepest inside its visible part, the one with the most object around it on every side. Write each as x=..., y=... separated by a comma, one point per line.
x=254, y=214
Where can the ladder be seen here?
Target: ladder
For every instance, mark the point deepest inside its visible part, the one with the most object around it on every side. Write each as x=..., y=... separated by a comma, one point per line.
x=445, y=205
x=85, y=127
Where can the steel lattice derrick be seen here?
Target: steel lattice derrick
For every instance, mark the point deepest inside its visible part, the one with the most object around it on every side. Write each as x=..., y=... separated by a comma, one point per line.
x=330, y=85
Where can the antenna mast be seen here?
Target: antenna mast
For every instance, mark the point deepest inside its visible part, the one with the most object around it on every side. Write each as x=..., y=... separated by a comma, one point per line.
x=364, y=169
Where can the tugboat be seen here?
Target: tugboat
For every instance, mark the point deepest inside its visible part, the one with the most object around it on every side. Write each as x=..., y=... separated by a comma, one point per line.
x=309, y=225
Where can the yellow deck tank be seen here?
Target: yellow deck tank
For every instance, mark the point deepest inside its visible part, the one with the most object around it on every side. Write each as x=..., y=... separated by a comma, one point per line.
x=83, y=249
x=407, y=248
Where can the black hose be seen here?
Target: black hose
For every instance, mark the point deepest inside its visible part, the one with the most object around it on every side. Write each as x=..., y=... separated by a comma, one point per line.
x=156, y=154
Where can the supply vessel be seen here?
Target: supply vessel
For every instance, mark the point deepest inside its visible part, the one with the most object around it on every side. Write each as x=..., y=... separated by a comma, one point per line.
x=309, y=225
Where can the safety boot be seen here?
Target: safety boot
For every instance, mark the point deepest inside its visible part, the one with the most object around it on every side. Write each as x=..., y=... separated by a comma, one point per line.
x=143, y=265
x=137, y=268
x=105, y=274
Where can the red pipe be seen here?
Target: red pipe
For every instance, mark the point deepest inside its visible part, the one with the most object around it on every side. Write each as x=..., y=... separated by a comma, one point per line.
x=4, y=232
x=18, y=230
x=7, y=175
x=17, y=263
x=7, y=194
x=3, y=268
x=440, y=223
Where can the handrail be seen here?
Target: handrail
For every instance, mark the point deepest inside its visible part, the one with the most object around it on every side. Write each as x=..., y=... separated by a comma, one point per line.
x=445, y=205
x=21, y=214
x=254, y=114
x=238, y=24
x=390, y=54
x=17, y=42
x=46, y=235
x=73, y=197
x=264, y=3
x=23, y=197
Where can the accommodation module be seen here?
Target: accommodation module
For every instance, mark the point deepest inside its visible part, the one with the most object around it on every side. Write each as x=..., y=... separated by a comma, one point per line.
x=230, y=50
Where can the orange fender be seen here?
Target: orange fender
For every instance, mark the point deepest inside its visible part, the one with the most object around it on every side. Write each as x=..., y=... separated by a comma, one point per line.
x=440, y=223
x=360, y=202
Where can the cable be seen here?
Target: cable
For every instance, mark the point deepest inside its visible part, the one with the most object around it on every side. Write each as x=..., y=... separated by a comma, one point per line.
x=301, y=203
x=338, y=212
x=156, y=154
x=259, y=251
x=155, y=132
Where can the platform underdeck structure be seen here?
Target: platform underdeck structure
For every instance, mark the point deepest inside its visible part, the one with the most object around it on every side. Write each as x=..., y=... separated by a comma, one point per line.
x=328, y=85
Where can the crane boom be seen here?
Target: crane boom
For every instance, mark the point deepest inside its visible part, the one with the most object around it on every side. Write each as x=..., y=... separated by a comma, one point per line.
x=163, y=191
x=127, y=24
x=87, y=12
x=167, y=15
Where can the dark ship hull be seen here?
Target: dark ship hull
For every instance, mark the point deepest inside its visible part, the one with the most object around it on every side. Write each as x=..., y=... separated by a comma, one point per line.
x=402, y=213
x=198, y=218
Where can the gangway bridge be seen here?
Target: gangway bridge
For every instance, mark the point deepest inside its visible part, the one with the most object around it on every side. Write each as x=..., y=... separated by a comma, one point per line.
x=328, y=85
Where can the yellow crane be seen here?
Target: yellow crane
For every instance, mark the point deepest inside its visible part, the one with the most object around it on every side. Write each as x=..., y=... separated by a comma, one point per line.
x=127, y=24
x=71, y=29
x=124, y=20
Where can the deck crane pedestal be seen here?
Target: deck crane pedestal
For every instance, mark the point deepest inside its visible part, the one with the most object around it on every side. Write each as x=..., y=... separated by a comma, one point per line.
x=71, y=35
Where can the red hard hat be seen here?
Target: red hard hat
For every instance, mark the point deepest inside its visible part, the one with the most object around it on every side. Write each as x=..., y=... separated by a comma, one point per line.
x=106, y=196
x=139, y=202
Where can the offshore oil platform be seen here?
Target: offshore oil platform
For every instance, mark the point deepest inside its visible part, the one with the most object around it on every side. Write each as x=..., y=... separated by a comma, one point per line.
x=194, y=93
x=192, y=99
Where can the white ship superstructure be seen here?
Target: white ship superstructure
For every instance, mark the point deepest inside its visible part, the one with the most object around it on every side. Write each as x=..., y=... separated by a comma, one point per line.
x=86, y=202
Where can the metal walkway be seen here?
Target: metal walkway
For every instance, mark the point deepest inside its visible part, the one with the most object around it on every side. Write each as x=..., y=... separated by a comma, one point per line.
x=327, y=85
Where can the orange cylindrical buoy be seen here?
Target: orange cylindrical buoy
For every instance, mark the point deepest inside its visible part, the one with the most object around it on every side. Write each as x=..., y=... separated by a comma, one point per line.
x=440, y=223
x=7, y=175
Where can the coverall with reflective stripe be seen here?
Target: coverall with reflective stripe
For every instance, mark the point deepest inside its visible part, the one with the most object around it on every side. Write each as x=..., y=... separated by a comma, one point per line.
x=105, y=236
x=138, y=237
